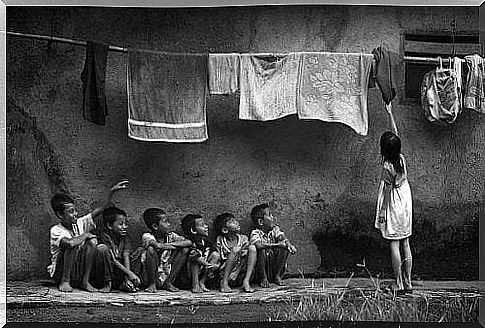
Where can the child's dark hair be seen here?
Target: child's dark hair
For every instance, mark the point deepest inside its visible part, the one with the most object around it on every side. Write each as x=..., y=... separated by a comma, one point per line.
x=188, y=223
x=152, y=215
x=220, y=222
x=391, y=150
x=59, y=201
x=258, y=212
x=110, y=214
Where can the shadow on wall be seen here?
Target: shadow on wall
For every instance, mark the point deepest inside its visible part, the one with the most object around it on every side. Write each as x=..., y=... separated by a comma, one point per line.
x=448, y=253
x=33, y=172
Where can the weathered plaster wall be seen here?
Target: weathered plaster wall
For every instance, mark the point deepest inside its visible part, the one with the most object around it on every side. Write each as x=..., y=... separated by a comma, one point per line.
x=320, y=178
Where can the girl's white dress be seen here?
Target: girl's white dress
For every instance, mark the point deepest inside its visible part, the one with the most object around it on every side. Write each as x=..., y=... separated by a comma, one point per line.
x=394, y=203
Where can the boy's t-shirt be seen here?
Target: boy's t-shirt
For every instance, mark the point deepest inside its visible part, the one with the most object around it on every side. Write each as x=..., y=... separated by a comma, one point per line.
x=273, y=236
x=117, y=249
x=57, y=232
x=224, y=250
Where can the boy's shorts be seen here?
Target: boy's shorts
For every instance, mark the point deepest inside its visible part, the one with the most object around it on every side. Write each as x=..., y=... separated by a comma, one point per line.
x=270, y=265
x=238, y=272
x=77, y=271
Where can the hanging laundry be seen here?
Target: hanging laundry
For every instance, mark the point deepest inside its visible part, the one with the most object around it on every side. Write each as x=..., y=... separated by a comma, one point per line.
x=440, y=96
x=474, y=91
x=268, y=89
x=383, y=75
x=334, y=88
x=93, y=78
x=223, y=73
x=166, y=96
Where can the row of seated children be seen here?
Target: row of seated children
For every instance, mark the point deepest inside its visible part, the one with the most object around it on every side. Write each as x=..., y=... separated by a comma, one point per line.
x=104, y=259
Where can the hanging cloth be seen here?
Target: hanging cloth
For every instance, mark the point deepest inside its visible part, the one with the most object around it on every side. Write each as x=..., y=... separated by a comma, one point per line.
x=383, y=74
x=93, y=78
x=440, y=97
x=166, y=96
x=268, y=89
x=223, y=73
x=334, y=88
x=474, y=91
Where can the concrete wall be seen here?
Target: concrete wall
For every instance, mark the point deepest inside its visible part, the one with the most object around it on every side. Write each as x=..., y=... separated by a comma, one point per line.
x=320, y=178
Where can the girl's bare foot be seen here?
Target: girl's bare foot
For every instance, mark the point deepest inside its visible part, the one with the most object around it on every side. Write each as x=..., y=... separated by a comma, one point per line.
x=197, y=290
x=264, y=283
x=279, y=281
x=203, y=287
x=247, y=288
x=225, y=288
x=65, y=287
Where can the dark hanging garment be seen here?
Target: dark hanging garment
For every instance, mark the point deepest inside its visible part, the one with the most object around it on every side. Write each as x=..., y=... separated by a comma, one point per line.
x=93, y=78
x=383, y=75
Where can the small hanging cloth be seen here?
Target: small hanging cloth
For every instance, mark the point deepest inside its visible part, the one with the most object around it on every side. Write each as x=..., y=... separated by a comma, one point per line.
x=334, y=88
x=167, y=96
x=93, y=78
x=268, y=88
x=223, y=73
x=383, y=75
x=474, y=91
x=440, y=95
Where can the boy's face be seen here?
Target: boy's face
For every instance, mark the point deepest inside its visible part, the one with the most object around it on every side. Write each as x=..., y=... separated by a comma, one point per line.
x=268, y=220
x=164, y=226
x=68, y=215
x=233, y=225
x=201, y=228
x=120, y=226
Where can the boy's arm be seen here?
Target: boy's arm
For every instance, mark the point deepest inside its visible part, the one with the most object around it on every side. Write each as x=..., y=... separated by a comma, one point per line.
x=120, y=185
x=155, y=244
x=76, y=241
x=180, y=244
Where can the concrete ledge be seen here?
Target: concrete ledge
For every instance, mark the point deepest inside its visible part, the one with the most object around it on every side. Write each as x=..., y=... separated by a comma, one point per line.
x=33, y=294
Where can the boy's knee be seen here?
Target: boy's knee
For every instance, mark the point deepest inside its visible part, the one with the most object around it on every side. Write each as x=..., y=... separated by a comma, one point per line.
x=151, y=251
x=93, y=242
x=102, y=249
x=252, y=249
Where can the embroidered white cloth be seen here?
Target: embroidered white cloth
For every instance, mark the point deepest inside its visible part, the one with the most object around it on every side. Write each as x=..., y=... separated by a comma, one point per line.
x=223, y=73
x=268, y=88
x=334, y=88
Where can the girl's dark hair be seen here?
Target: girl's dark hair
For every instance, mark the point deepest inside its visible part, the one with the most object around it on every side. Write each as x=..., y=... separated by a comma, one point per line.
x=220, y=222
x=391, y=150
x=110, y=214
x=188, y=223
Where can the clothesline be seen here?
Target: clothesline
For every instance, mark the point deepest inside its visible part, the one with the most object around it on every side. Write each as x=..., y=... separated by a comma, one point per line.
x=124, y=50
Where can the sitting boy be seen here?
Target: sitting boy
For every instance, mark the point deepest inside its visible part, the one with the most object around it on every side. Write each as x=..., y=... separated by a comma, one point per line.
x=113, y=254
x=162, y=254
x=203, y=258
x=271, y=244
x=72, y=244
x=237, y=256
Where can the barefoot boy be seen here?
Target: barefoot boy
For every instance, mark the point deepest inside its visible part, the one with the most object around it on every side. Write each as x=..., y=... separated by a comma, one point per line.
x=271, y=244
x=237, y=256
x=203, y=258
x=162, y=254
x=113, y=254
x=72, y=244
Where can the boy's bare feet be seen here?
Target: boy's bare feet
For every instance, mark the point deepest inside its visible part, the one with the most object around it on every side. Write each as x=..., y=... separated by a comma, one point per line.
x=171, y=288
x=203, y=287
x=264, y=283
x=152, y=288
x=65, y=287
x=247, y=288
x=88, y=287
x=279, y=281
x=106, y=288
x=225, y=288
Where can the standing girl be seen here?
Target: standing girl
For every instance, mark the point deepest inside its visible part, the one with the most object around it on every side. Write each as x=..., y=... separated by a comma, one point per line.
x=394, y=210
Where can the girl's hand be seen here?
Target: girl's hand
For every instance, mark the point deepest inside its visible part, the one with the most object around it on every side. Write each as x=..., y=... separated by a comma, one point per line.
x=292, y=249
x=120, y=185
x=211, y=266
x=134, y=279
